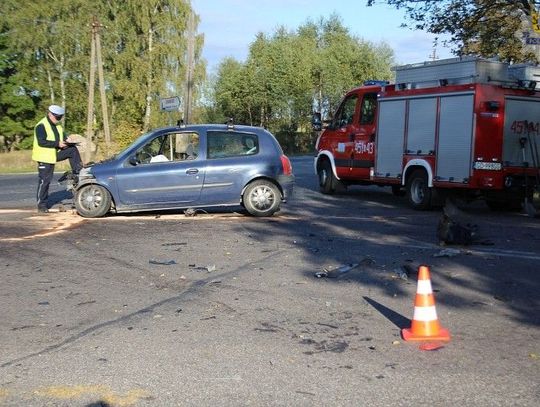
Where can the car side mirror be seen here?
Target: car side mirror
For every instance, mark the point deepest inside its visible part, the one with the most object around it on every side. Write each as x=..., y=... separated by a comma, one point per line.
x=316, y=122
x=133, y=160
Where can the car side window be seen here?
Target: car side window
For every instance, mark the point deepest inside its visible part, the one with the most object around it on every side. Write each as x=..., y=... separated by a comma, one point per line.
x=223, y=144
x=345, y=113
x=169, y=147
x=185, y=146
x=368, y=108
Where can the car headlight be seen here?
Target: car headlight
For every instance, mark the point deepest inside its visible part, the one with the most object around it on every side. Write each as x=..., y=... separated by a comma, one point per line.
x=85, y=173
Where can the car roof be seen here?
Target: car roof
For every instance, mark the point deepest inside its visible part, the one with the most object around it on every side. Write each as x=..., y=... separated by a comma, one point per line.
x=213, y=127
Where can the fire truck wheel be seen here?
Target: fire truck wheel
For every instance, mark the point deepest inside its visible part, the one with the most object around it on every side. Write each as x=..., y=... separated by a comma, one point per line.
x=327, y=180
x=418, y=191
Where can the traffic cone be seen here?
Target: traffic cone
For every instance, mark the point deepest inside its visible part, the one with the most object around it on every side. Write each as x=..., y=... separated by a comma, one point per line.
x=425, y=325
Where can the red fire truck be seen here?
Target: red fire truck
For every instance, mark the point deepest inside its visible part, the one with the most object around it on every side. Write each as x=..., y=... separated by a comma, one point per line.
x=463, y=126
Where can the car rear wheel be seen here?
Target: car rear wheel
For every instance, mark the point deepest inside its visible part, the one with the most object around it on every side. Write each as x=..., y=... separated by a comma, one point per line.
x=262, y=198
x=92, y=201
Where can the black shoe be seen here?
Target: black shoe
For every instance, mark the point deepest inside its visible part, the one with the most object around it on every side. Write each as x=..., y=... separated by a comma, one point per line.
x=65, y=176
x=43, y=210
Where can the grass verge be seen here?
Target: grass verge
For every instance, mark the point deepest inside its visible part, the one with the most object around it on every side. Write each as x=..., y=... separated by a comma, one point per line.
x=21, y=161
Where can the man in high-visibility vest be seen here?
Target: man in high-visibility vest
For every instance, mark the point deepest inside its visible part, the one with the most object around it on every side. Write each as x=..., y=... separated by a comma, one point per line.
x=51, y=145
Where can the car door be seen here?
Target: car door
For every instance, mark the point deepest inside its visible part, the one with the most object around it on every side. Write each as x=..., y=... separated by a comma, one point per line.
x=341, y=132
x=363, y=153
x=232, y=159
x=161, y=174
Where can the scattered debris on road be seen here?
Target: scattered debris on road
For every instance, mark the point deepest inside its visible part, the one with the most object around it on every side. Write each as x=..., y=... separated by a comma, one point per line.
x=331, y=272
x=404, y=272
x=162, y=262
x=431, y=346
x=336, y=272
x=209, y=268
x=448, y=253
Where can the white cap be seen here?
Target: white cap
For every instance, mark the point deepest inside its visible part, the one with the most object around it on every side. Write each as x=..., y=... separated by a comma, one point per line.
x=57, y=110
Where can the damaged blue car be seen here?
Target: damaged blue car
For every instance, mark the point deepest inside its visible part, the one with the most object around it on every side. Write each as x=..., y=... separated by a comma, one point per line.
x=193, y=166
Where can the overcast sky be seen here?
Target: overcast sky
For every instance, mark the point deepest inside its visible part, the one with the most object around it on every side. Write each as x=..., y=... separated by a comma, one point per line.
x=229, y=26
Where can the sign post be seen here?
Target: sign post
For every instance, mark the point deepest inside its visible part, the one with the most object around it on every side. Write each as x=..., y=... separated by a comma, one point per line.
x=170, y=105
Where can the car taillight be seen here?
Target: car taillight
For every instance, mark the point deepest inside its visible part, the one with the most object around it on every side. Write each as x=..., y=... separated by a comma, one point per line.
x=286, y=164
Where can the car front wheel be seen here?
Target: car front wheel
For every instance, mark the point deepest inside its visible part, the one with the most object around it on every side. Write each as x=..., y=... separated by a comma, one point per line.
x=261, y=198
x=92, y=201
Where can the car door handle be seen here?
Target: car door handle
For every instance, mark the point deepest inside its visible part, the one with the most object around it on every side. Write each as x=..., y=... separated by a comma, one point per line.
x=192, y=171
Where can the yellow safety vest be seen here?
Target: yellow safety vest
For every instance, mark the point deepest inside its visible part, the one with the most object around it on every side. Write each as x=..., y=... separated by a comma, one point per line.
x=46, y=154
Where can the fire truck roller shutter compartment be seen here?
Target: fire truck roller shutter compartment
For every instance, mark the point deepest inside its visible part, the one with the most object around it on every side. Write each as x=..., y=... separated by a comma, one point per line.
x=421, y=126
x=522, y=118
x=390, y=135
x=456, y=132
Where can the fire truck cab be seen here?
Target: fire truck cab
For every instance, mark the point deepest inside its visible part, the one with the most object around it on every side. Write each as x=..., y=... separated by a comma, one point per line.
x=463, y=126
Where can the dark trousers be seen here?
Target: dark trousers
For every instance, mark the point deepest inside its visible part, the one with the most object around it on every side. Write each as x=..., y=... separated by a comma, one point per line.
x=46, y=171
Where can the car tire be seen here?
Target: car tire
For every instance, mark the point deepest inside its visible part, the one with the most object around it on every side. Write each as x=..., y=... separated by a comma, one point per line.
x=418, y=190
x=261, y=198
x=92, y=201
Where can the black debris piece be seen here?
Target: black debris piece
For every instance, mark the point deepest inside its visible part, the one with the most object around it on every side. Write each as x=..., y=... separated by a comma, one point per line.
x=162, y=262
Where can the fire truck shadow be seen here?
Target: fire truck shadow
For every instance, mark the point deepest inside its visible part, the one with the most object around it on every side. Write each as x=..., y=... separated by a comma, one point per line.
x=334, y=231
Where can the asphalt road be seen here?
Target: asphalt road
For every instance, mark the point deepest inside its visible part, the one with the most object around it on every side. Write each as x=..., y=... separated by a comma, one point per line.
x=223, y=309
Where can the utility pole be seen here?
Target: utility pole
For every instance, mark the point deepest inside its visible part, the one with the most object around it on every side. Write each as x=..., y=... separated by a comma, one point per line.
x=189, y=67
x=433, y=55
x=95, y=59
x=90, y=112
x=104, y=110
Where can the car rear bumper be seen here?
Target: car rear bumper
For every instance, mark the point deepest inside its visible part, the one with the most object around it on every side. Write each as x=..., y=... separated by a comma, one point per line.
x=287, y=186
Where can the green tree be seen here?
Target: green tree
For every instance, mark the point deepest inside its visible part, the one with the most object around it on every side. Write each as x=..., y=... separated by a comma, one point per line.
x=17, y=107
x=488, y=28
x=343, y=61
x=288, y=74
x=147, y=58
x=48, y=50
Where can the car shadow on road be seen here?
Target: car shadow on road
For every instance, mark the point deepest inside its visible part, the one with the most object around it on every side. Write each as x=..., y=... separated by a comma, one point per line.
x=60, y=197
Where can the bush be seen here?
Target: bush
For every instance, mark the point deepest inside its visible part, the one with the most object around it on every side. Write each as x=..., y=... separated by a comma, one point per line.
x=296, y=142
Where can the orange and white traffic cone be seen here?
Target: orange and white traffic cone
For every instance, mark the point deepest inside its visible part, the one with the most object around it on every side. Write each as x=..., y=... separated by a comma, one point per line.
x=425, y=325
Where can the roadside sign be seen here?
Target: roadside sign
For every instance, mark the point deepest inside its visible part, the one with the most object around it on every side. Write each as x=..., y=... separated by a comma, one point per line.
x=170, y=104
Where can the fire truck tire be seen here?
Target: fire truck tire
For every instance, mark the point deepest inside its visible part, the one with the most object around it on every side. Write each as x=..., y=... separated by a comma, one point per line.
x=327, y=181
x=418, y=191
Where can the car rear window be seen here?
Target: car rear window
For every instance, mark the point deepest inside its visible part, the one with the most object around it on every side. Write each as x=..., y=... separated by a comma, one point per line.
x=223, y=144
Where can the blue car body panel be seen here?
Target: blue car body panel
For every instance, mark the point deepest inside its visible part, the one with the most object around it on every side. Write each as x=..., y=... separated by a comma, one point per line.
x=200, y=182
